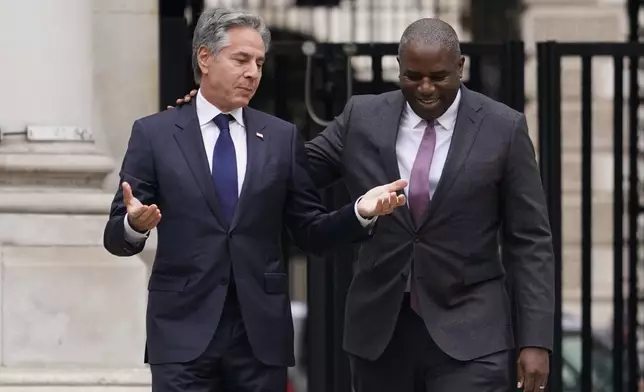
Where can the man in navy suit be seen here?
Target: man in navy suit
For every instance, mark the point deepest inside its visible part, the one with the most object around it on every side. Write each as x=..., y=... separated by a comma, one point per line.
x=227, y=178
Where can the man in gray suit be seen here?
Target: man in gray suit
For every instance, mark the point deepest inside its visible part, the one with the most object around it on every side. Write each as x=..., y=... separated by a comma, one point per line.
x=428, y=307
x=428, y=303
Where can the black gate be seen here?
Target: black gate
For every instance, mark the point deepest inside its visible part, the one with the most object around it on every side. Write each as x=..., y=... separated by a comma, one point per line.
x=623, y=368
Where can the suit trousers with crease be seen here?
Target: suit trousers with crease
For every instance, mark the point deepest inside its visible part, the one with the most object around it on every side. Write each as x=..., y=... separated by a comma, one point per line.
x=412, y=362
x=227, y=364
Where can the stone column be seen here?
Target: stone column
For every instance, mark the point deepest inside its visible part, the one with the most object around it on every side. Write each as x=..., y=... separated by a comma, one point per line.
x=71, y=315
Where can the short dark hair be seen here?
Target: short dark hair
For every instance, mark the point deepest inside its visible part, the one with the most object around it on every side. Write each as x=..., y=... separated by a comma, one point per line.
x=431, y=31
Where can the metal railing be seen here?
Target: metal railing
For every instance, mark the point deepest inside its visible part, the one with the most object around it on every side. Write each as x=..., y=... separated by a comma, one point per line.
x=550, y=55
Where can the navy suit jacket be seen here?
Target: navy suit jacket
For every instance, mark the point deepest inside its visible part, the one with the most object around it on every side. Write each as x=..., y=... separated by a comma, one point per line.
x=166, y=164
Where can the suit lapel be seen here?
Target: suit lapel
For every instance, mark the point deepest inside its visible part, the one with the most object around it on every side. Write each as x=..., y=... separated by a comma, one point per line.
x=256, y=147
x=388, y=124
x=190, y=141
x=467, y=125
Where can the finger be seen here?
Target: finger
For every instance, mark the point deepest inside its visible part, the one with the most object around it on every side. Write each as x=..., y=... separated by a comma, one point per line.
x=385, y=202
x=401, y=199
x=136, y=212
x=193, y=92
x=169, y=107
x=530, y=383
x=127, y=193
x=520, y=379
x=149, y=214
x=397, y=185
x=152, y=221
x=378, y=207
x=542, y=380
x=392, y=198
x=155, y=222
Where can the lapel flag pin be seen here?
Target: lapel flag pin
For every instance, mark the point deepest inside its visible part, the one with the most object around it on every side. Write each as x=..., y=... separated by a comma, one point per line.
x=259, y=135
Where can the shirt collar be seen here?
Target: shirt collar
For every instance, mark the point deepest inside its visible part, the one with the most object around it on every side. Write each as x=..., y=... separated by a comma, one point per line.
x=447, y=120
x=207, y=111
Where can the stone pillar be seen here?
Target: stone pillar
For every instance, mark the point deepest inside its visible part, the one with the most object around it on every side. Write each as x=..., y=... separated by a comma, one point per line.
x=126, y=77
x=71, y=315
x=581, y=21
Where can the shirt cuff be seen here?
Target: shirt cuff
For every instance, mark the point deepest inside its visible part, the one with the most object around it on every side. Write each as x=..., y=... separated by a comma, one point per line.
x=132, y=236
x=365, y=222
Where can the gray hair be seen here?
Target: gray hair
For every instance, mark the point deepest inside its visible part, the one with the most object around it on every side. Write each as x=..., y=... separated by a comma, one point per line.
x=212, y=32
x=430, y=31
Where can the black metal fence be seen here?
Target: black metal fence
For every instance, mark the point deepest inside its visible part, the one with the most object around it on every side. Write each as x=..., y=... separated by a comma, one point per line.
x=624, y=368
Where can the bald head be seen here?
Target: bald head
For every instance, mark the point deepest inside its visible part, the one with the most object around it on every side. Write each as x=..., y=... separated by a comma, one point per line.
x=430, y=32
x=431, y=67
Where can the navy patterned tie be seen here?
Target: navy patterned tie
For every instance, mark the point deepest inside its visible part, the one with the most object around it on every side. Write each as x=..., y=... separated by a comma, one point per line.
x=224, y=167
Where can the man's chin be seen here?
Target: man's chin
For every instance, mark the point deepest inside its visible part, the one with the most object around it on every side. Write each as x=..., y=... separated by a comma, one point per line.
x=243, y=100
x=428, y=113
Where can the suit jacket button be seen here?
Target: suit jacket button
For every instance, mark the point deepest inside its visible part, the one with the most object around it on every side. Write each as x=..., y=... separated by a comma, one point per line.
x=224, y=281
x=417, y=239
x=404, y=276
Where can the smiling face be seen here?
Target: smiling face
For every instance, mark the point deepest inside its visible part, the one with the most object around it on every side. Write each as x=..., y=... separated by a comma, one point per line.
x=231, y=77
x=430, y=77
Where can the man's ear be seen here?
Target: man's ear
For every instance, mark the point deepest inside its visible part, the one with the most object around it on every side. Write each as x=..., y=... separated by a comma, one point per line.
x=203, y=57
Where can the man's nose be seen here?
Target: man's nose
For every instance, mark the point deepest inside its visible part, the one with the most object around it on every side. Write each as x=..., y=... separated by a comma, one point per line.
x=252, y=71
x=426, y=86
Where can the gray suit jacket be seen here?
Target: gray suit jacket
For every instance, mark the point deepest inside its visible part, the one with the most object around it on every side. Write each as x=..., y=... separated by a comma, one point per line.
x=490, y=192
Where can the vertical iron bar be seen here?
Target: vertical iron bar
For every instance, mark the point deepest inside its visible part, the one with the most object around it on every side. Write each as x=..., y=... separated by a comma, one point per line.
x=586, y=223
x=505, y=89
x=549, y=95
x=556, y=189
x=342, y=276
x=474, y=81
x=518, y=61
x=633, y=211
x=377, y=82
x=618, y=223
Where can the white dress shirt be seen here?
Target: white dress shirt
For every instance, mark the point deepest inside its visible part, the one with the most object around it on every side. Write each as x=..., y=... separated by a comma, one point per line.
x=206, y=112
x=410, y=135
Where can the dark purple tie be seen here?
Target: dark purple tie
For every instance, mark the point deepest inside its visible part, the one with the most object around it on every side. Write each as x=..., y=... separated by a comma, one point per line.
x=419, y=192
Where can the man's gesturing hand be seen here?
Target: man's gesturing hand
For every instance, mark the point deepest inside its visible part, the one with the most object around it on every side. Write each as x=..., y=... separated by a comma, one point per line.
x=382, y=200
x=140, y=217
